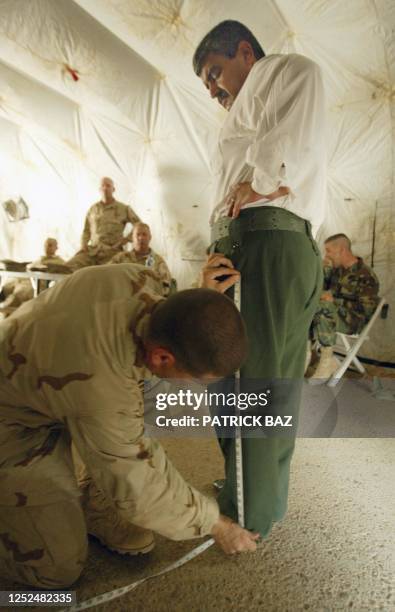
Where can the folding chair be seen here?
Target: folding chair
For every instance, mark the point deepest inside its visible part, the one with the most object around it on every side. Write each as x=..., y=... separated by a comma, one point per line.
x=349, y=345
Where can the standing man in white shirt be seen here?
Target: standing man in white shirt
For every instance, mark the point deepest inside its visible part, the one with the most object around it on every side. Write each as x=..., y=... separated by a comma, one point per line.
x=270, y=202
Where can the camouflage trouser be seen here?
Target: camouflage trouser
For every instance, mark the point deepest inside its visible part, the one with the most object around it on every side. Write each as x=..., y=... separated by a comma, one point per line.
x=326, y=323
x=43, y=546
x=92, y=257
x=16, y=292
x=43, y=538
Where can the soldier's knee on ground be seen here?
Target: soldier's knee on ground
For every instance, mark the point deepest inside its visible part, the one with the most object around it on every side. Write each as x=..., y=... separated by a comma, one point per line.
x=43, y=546
x=47, y=577
x=61, y=576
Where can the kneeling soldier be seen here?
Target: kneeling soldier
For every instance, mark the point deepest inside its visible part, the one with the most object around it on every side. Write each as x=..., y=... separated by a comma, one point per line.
x=71, y=362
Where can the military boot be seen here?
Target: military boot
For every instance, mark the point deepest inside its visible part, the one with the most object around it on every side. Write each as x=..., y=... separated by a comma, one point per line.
x=104, y=522
x=327, y=365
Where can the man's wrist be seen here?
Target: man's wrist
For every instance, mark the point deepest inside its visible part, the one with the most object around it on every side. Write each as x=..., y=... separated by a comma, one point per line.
x=222, y=523
x=256, y=196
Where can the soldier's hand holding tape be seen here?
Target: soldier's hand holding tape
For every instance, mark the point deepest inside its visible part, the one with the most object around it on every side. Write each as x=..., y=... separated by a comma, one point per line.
x=218, y=273
x=232, y=538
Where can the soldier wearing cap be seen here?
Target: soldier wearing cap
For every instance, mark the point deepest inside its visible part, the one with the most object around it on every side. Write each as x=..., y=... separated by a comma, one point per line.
x=102, y=237
x=349, y=299
x=143, y=254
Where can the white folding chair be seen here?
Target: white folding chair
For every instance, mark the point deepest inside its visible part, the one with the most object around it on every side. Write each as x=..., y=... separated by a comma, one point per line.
x=349, y=344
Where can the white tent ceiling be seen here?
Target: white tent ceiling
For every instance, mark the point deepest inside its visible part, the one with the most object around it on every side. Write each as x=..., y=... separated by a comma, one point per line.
x=105, y=87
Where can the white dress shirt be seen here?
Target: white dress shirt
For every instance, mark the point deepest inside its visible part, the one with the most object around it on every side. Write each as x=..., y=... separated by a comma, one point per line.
x=274, y=135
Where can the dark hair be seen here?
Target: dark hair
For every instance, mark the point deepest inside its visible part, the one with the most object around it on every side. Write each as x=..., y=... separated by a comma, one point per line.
x=204, y=331
x=337, y=237
x=224, y=39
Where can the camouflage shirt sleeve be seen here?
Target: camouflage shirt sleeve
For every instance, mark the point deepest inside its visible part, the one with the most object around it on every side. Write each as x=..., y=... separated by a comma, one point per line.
x=359, y=299
x=163, y=270
x=327, y=277
x=133, y=469
x=132, y=216
x=86, y=233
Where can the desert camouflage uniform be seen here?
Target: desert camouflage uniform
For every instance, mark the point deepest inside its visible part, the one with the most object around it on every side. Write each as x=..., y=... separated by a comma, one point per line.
x=71, y=361
x=46, y=260
x=152, y=260
x=355, y=292
x=20, y=290
x=103, y=229
x=16, y=291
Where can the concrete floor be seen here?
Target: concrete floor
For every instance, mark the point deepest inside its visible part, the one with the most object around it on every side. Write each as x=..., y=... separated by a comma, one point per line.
x=334, y=551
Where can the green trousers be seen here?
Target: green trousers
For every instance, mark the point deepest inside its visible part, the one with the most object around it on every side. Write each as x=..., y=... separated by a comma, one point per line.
x=281, y=282
x=327, y=322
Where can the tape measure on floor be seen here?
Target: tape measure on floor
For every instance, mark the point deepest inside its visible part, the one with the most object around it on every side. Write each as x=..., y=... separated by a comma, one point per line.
x=110, y=595
x=195, y=552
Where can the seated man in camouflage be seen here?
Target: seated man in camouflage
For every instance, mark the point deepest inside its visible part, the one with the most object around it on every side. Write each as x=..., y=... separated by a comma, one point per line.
x=142, y=254
x=349, y=299
x=19, y=290
x=105, y=222
x=71, y=364
x=49, y=258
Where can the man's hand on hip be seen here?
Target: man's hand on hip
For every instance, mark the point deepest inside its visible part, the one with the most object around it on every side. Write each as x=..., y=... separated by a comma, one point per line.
x=217, y=267
x=242, y=194
x=232, y=538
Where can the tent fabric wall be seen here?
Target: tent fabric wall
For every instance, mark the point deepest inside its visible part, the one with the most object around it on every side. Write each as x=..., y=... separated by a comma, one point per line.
x=105, y=87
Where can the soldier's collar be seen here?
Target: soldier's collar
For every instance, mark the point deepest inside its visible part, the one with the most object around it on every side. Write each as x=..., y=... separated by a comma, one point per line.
x=145, y=254
x=358, y=264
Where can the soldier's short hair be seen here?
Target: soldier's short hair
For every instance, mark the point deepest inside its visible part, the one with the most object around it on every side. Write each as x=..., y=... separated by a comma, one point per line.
x=107, y=178
x=204, y=331
x=49, y=239
x=224, y=39
x=343, y=237
x=141, y=224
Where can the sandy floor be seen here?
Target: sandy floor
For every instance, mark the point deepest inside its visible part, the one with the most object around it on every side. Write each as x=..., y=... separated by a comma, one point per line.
x=334, y=551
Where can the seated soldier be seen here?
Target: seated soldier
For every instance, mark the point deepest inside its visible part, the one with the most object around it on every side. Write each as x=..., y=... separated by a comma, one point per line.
x=105, y=222
x=72, y=360
x=15, y=292
x=50, y=257
x=349, y=299
x=141, y=253
x=19, y=290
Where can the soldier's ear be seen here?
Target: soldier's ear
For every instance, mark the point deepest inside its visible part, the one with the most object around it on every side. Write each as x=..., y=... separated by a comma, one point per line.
x=160, y=359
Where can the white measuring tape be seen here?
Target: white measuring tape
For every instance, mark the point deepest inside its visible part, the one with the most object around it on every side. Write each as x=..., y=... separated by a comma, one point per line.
x=105, y=597
x=195, y=552
x=238, y=444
